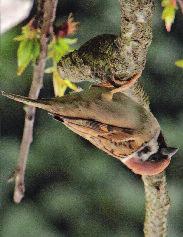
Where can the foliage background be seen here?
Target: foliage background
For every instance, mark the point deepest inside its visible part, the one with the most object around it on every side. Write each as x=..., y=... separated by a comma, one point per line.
x=73, y=189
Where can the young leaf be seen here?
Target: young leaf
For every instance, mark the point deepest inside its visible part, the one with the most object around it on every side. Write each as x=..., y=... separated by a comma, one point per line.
x=20, y=37
x=168, y=14
x=28, y=51
x=70, y=85
x=29, y=46
x=36, y=50
x=60, y=85
x=24, y=55
x=179, y=63
x=59, y=47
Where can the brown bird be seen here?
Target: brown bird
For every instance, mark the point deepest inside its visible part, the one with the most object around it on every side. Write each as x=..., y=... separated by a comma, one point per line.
x=117, y=121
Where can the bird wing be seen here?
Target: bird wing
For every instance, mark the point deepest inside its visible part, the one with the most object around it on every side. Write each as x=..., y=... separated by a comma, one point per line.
x=116, y=141
x=96, y=129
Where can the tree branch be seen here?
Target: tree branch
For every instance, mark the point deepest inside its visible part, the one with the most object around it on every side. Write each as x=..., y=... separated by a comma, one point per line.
x=109, y=57
x=44, y=17
x=104, y=58
x=157, y=205
x=136, y=34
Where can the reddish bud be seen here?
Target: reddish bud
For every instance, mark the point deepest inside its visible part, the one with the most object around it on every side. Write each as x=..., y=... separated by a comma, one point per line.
x=67, y=28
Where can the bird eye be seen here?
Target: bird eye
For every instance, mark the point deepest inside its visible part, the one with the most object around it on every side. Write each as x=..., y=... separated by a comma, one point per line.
x=145, y=150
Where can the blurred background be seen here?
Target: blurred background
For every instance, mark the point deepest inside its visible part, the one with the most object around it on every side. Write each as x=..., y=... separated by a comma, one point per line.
x=72, y=188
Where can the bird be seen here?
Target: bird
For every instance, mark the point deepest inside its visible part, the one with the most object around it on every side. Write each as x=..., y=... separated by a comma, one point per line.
x=117, y=121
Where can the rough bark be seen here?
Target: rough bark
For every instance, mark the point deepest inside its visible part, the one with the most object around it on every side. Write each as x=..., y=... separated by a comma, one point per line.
x=157, y=205
x=114, y=58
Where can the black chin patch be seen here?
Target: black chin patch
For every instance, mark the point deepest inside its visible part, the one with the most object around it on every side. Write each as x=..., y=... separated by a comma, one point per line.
x=161, y=141
x=157, y=157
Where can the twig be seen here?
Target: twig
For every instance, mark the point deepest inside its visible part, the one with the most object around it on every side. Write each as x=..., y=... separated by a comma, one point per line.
x=157, y=205
x=44, y=17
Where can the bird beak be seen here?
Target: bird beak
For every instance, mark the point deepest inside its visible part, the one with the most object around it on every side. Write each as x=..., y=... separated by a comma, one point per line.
x=169, y=151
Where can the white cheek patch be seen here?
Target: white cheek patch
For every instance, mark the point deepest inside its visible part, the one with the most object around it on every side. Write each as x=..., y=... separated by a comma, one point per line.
x=153, y=149
x=152, y=144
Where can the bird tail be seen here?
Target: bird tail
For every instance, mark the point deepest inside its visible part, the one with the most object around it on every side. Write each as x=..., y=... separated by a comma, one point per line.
x=42, y=104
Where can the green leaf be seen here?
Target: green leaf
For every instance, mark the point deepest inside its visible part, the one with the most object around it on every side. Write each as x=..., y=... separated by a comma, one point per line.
x=28, y=32
x=20, y=37
x=168, y=14
x=60, y=47
x=70, y=84
x=29, y=46
x=28, y=51
x=26, y=29
x=36, y=50
x=179, y=63
x=24, y=55
x=60, y=85
x=164, y=3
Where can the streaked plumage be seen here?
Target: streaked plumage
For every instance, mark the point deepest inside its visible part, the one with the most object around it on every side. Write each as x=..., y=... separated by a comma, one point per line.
x=122, y=126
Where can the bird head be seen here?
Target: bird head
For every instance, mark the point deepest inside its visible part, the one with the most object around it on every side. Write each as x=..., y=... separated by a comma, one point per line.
x=152, y=158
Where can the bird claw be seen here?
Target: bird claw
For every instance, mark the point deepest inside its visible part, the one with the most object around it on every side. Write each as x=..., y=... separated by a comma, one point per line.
x=127, y=84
